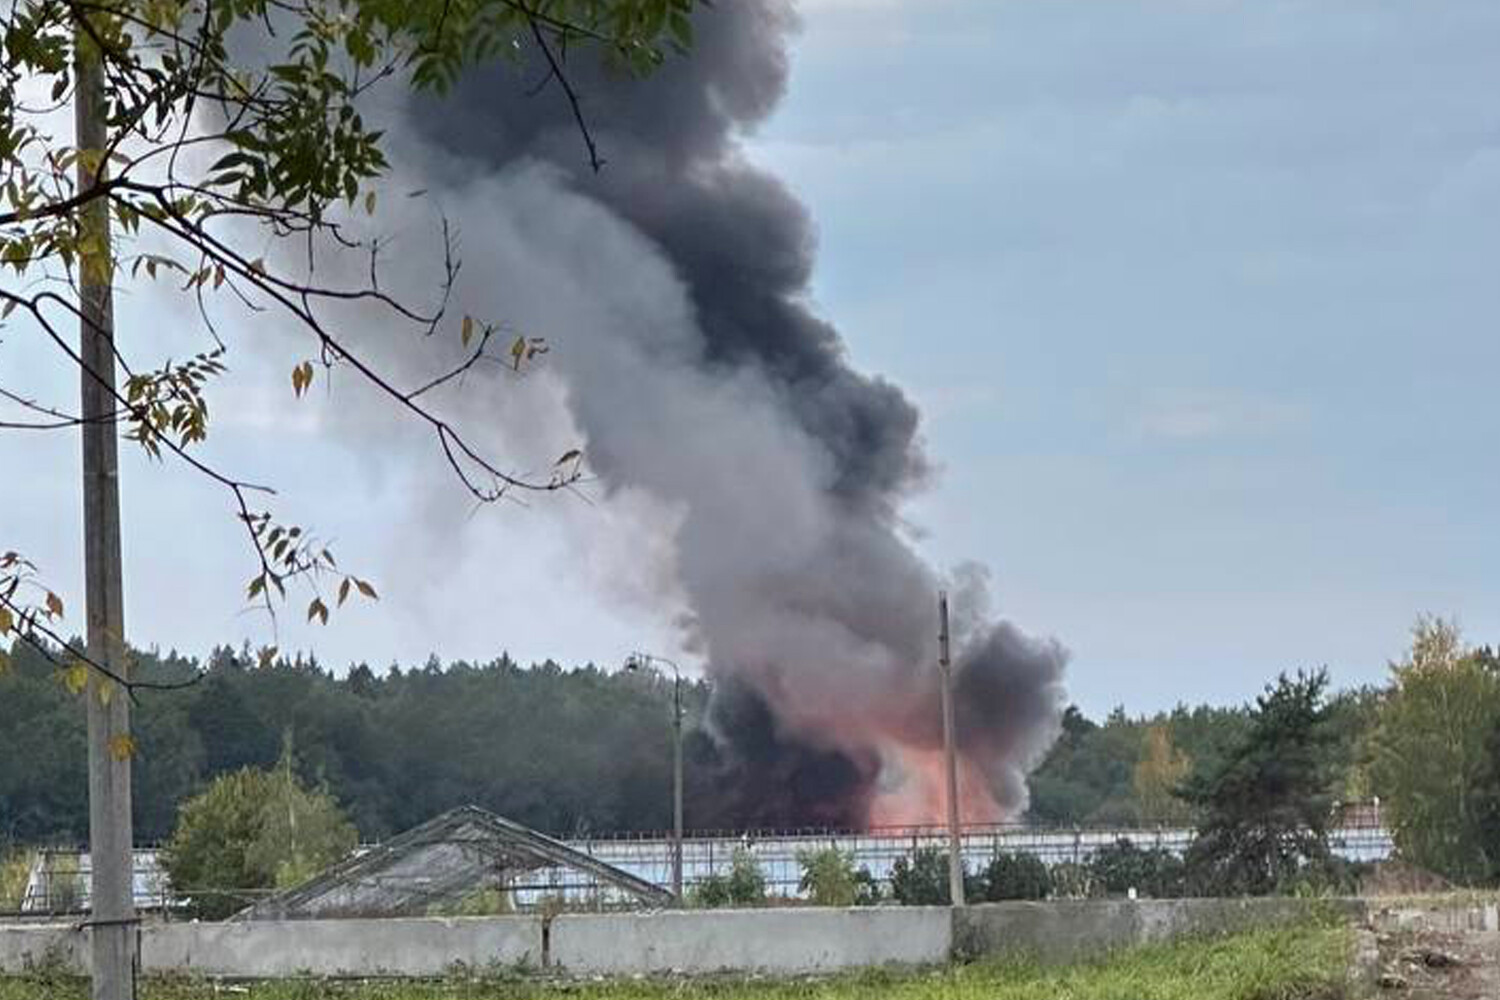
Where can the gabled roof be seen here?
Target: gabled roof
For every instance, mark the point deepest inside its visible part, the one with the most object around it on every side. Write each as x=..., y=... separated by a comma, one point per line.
x=442, y=860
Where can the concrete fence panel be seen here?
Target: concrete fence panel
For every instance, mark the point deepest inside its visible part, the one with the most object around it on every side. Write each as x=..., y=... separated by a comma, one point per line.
x=29, y=947
x=776, y=941
x=1069, y=930
x=275, y=949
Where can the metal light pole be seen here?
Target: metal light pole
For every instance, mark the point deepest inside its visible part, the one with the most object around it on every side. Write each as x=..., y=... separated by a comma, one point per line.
x=955, y=839
x=638, y=661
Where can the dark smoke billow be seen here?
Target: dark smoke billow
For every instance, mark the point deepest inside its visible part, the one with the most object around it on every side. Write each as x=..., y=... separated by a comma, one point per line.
x=673, y=288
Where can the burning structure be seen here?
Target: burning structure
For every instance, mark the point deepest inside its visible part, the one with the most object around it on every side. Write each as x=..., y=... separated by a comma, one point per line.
x=673, y=288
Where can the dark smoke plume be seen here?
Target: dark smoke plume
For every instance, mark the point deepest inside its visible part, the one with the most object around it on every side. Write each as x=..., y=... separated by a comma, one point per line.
x=673, y=287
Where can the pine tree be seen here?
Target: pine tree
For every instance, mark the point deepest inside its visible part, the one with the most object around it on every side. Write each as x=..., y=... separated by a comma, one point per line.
x=1266, y=806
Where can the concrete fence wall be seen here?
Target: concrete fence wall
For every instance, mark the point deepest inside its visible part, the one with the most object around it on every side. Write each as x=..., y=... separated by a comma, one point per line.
x=1068, y=930
x=781, y=941
x=692, y=942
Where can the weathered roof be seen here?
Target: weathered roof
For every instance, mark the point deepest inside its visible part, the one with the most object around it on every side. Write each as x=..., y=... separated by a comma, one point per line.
x=442, y=860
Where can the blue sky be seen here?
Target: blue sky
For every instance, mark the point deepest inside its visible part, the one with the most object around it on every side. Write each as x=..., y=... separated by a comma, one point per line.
x=1200, y=302
x=1198, y=299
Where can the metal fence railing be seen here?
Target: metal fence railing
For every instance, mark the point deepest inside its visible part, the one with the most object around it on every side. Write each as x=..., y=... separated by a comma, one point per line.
x=59, y=879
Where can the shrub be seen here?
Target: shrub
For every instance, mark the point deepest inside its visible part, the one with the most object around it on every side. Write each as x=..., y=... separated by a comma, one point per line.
x=248, y=832
x=1071, y=880
x=921, y=879
x=828, y=876
x=15, y=870
x=487, y=901
x=867, y=891
x=1123, y=866
x=1015, y=876
x=1334, y=876
x=746, y=883
x=711, y=893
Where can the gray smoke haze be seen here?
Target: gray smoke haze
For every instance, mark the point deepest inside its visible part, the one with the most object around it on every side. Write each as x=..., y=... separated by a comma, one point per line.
x=672, y=287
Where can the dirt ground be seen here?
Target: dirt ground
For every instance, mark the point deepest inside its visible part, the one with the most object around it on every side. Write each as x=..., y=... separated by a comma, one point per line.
x=1439, y=965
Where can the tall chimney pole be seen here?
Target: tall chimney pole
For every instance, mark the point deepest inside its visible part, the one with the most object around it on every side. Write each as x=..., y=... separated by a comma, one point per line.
x=955, y=838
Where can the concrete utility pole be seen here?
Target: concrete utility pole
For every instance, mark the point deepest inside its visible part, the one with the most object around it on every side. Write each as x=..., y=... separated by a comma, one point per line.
x=111, y=921
x=955, y=836
x=639, y=661
x=676, y=784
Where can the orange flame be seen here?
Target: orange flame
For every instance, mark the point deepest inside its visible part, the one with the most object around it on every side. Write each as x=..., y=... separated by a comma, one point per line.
x=919, y=796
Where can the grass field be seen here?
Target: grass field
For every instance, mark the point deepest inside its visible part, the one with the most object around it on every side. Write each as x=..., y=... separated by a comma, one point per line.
x=1307, y=962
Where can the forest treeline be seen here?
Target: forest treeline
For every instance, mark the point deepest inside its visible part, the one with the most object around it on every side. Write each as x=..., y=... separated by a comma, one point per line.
x=568, y=751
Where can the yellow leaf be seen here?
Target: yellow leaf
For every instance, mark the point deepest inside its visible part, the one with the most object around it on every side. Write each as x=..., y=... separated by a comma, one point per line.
x=467, y=333
x=4, y=663
x=54, y=605
x=302, y=377
x=367, y=590
x=122, y=747
x=75, y=677
x=7, y=620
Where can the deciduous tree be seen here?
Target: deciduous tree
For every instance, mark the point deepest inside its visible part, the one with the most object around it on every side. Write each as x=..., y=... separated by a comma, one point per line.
x=1159, y=773
x=249, y=832
x=1434, y=761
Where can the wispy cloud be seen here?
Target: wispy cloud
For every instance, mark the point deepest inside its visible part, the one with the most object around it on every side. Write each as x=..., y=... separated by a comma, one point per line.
x=1202, y=414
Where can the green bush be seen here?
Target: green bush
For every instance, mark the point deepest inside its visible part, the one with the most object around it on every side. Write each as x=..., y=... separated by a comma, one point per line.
x=1123, y=866
x=488, y=901
x=747, y=883
x=249, y=832
x=829, y=877
x=15, y=870
x=867, y=891
x=1015, y=876
x=711, y=893
x=1072, y=880
x=922, y=878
